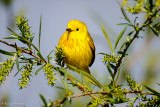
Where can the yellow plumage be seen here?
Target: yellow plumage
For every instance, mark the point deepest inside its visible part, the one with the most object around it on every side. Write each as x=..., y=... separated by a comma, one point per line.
x=77, y=45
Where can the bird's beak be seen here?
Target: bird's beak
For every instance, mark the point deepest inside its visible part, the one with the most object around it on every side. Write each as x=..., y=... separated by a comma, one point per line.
x=69, y=30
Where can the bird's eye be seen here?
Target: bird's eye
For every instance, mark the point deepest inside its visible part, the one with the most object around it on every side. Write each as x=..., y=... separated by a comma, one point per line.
x=77, y=29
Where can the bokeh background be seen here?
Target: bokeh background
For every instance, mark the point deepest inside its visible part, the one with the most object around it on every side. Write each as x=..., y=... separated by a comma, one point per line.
x=144, y=54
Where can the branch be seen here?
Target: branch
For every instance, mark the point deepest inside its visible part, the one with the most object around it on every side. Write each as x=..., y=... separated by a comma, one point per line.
x=97, y=92
x=135, y=36
x=125, y=50
x=23, y=50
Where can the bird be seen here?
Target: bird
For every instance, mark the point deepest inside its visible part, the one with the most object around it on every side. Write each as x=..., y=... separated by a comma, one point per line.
x=78, y=46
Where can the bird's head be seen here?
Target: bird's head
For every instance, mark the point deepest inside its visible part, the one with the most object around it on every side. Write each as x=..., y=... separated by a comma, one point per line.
x=76, y=28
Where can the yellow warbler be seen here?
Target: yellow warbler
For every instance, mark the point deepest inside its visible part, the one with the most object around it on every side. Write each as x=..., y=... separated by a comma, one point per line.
x=77, y=45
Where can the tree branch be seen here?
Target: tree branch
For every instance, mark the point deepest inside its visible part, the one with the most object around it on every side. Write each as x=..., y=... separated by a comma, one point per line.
x=23, y=50
x=135, y=36
x=97, y=92
x=125, y=50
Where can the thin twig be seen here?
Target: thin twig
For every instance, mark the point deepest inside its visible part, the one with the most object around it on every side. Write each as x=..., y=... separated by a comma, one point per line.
x=97, y=92
x=125, y=50
x=80, y=87
x=23, y=50
x=135, y=36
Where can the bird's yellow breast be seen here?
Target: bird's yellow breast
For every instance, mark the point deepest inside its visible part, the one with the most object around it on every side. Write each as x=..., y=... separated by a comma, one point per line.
x=77, y=51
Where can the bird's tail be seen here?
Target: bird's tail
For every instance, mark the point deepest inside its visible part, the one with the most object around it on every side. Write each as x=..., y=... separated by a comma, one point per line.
x=87, y=70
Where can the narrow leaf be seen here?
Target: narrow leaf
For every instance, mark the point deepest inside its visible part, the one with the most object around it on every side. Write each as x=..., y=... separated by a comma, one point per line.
x=90, y=77
x=135, y=20
x=153, y=91
x=126, y=24
x=40, y=31
x=39, y=55
x=14, y=33
x=130, y=33
x=50, y=53
x=10, y=38
x=125, y=15
x=119, y=37
x=120, y=52
x=61, y=88
x=65, y=81
x=110, y=71
x=12, y=64
x=153, y=30
x=117, y=75
x=107, y=37
x=22, y=39
x=37, y=71
x=69, y=74
x=17, y=63
x=7, y=53
x=150, y=5
x=43, y=100
x=102, y=53
x=16, y=36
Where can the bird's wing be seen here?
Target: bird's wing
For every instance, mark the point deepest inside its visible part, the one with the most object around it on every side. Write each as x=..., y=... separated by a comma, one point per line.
x=91, y=44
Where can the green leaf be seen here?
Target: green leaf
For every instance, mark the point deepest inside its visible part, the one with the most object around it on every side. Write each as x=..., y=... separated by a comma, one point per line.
x=22, y=39
x=90, y=77
x=43, y=100
x=48, y=56
x=153, y=30
x=69, y=74
x=130, y=33
x=50, y=53
x=107, y=37
x=40, y=31
x=10, y=38
x=150, y=5
x=17, y=63
x=38, y=54
x=120, y=52
x=7, y=53
x=37, y=71
x=65, y=81
x=61, y=88
x=112, y=66
x=14, y=33
x=125, y=43
x=16, y=36
x=111, y=100
x=110, y=71
x=125, y=15
x=102, y=53
x=153, y=91
x=12, y=63
x=126, y=24
x=117, y=75
x=119, y=37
